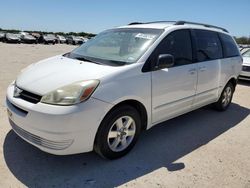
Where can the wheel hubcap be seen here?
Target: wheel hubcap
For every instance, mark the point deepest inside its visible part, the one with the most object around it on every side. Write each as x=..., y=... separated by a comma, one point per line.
x=227, y=95
x=121, y=133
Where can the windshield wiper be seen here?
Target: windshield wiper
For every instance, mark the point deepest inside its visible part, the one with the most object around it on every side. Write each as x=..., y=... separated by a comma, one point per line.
x=85, y=59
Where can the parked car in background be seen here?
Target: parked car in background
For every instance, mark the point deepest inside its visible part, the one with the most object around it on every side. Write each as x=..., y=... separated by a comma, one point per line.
x=29, y=39
x=102, y=95
x=245, y=73
x=12, y=38
x=2, y=36
x=74, y=40
x=61, y=39
x=84, y=39
x=244, y=49
x=47, y=39
x=36, y=35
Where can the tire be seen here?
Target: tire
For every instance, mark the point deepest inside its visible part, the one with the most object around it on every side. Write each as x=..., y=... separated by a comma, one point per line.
x=113, y=140
x=226, y=97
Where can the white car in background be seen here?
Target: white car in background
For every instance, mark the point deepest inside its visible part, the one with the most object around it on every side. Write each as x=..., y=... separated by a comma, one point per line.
x=245, y=73
x=12, y=38
x=104, y=93
x=61, y=39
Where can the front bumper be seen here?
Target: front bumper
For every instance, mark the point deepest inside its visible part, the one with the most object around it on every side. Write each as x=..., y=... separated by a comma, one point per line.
x=29, y=41
x=59, y=130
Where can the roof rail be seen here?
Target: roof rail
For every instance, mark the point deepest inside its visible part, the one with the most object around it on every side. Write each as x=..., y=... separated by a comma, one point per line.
x=135, y=23
x=205, y=25
x=181, y=23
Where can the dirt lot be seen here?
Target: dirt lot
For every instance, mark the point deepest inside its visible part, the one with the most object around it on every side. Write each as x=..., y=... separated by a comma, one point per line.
x=203, y=148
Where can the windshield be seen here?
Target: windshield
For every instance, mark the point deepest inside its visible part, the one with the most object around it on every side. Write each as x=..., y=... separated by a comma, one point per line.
x=117, y=46
x=246, y=54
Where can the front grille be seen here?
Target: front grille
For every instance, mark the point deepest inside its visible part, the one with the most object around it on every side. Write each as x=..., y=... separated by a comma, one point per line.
x=55, y=145
x=30, y=97
x=246, y=68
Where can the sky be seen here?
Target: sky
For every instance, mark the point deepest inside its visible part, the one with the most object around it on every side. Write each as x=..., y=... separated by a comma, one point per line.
x=95, y=16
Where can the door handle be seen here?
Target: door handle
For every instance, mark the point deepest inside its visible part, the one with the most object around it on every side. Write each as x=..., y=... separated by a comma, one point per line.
x=192, y=71
x=202, y=69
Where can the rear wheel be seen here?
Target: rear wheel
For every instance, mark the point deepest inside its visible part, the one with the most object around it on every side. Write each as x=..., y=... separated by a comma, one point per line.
x=226, y=97
x=118, y=132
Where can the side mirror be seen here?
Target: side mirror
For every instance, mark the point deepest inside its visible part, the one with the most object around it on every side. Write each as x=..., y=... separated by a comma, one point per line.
x=164, y=61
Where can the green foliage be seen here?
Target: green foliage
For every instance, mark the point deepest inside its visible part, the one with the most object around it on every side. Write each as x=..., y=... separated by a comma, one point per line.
x=243, y=40
x=239, y=40
x=11, y=30
x=83, y=34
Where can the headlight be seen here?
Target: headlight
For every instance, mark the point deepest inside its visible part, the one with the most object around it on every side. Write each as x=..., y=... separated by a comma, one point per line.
x=71, y=94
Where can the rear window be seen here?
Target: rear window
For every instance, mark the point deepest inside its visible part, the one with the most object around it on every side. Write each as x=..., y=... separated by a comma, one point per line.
x=229, y=46
x=208, y=45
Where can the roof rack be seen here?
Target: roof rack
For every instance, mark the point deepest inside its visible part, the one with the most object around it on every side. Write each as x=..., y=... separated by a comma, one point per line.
x=205, y=25
x=137, y=23
x=181, y=23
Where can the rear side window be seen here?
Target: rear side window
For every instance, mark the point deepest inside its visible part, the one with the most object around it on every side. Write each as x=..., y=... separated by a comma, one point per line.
x=208, y=45
x=229, y=46
x=178, y=44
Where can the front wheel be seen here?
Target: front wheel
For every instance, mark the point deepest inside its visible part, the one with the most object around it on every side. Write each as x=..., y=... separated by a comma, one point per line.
x=226, y=97
x=118, y=132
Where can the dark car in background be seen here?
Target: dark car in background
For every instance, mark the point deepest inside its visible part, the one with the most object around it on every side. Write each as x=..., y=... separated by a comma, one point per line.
x=12, y=38
x=29, y=39
x=47, y=39
x=74, y=40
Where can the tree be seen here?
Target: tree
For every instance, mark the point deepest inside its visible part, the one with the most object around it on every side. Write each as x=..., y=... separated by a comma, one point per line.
x=242, y=40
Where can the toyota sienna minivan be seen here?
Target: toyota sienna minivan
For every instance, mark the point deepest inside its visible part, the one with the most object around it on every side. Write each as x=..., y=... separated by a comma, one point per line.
x=103, y=94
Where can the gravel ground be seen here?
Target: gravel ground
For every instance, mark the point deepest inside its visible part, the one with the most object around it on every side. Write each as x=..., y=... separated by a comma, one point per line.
x=203, y=148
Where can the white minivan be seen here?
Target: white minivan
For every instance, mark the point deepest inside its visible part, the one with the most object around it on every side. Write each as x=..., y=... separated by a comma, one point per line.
x=104, y=93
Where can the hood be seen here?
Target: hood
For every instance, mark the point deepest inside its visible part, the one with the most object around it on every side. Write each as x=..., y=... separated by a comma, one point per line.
x=50, y=74
x=246, y=61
